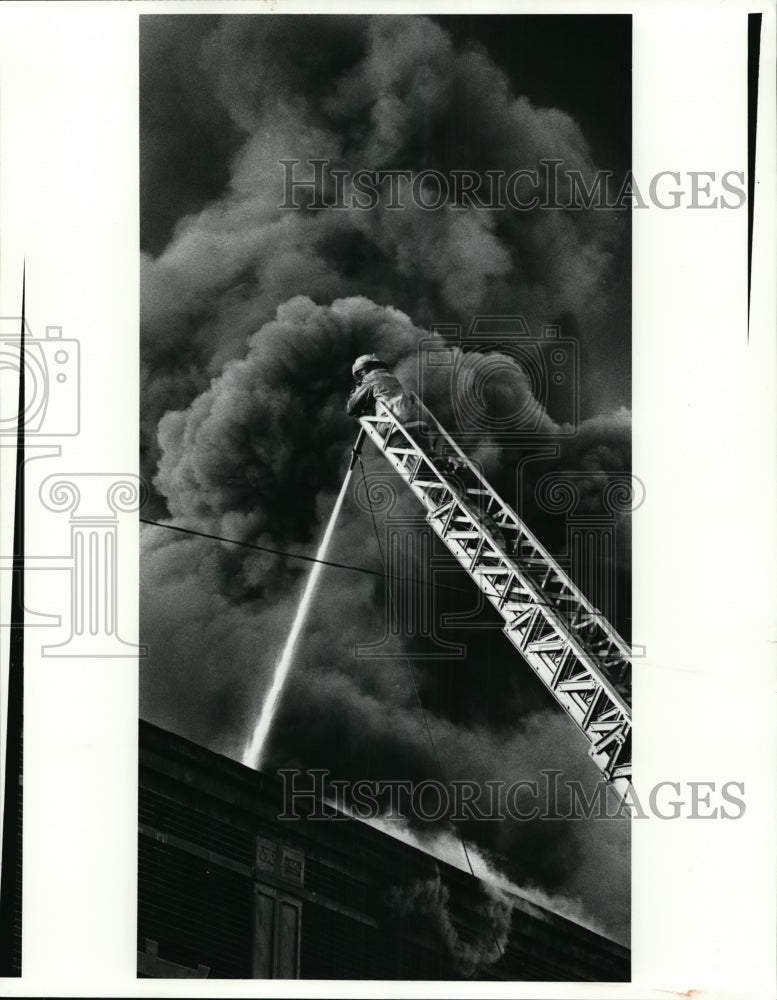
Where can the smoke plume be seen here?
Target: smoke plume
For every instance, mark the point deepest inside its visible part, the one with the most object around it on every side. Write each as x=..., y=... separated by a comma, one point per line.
x=387, y=92
x=251, y=317
x=428, y=902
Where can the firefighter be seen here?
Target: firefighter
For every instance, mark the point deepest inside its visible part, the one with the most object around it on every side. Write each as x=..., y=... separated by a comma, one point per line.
x=374, y=382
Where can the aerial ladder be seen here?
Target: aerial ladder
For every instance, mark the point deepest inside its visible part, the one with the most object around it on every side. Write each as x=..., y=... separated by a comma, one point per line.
x=565, y=640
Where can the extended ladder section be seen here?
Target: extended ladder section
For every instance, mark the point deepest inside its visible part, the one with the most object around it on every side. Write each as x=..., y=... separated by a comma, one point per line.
x=571, y=647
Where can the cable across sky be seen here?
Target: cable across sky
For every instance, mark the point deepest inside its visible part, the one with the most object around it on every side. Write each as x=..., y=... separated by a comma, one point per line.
x=294, y=555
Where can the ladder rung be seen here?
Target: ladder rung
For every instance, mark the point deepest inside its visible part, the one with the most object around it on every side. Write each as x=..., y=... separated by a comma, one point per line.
x=546, y=645
x=571, y=647
x=575, y=685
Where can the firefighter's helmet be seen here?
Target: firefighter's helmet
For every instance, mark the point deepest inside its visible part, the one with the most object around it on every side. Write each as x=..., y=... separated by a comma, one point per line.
x=366, y=363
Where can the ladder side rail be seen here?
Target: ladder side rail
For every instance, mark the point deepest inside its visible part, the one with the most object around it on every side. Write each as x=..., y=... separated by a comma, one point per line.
x=370, y=422
x=523, y=530
x=554, y=620
x=557, y=621
x=590, y=702
x=601, y=735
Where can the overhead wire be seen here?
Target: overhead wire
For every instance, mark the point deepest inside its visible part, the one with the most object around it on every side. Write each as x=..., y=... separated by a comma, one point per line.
x=357, y=569
x=312, y=559
x=295, y=555
x=260, y=548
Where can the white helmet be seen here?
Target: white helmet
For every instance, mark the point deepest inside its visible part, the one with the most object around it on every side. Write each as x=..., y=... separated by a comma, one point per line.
x=366, y=363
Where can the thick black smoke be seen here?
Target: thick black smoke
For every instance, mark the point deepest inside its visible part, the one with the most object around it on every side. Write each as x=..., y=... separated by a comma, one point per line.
x=251, y=319
x=258, y=457
x=426, y=904
x=383, y=92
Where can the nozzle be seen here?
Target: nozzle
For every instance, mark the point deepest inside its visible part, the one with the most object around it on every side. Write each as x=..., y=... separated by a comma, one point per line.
x=357, y=448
